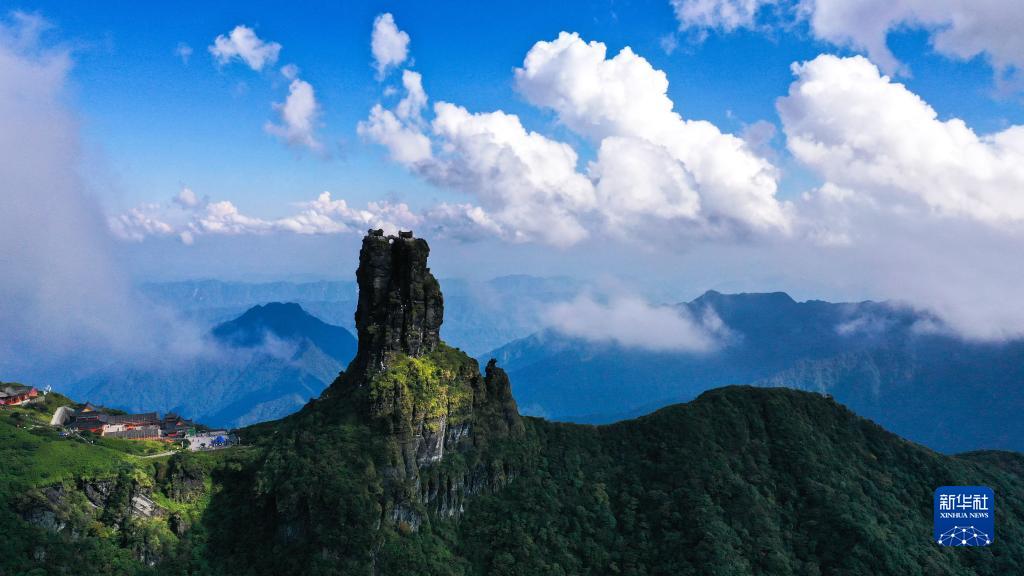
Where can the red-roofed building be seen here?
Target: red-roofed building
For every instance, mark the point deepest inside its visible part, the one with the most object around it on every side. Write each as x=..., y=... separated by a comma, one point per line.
x=15, y=394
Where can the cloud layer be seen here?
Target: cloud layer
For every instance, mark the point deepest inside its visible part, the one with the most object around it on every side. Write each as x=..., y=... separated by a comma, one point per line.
x=890, y=181
x=631, y=322
x=63, y=292
x=188, y=217
x=894, y=177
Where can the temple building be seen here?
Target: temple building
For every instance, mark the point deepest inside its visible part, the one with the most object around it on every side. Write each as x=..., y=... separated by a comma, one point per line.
x=16, y=394
x=145, y=426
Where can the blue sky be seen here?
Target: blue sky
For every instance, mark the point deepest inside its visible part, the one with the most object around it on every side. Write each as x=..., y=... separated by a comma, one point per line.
x=517, y=150
x=159, y=123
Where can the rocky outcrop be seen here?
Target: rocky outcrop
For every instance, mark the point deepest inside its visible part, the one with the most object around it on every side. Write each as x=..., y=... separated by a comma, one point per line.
x=71, y=507
x=405, y=435
x=400, y=306
x=429, y=400
x=144, y=506
x=98, y=491
x=493, y=405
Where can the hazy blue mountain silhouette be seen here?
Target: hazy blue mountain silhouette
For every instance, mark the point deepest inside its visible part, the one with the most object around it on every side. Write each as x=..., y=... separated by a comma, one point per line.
x=479, y=315
x=263, y=365
x=286, y=321
x=888, y=363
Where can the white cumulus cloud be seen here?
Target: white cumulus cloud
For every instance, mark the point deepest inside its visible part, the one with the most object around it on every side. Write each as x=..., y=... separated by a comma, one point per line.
x=918, y=208
x=139, y=223
x=407, y=145
x=187, y=198
x=401, y=130
x=725, y=15
x=625, y=97
x=465, y=222
x=390, y=46
x=223, y=217
x=958, y=28
x=870, y=137
x=243, y=44
x=527, y=184
x=410, y=108
x=298, y=114
x=328, y=216
x=526, y=180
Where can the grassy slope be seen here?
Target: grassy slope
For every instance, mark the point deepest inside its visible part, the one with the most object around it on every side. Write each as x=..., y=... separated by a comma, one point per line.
x=33, y=456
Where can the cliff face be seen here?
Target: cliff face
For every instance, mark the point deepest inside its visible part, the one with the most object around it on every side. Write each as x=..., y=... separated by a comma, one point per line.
x=400, y=304
x=424, y=400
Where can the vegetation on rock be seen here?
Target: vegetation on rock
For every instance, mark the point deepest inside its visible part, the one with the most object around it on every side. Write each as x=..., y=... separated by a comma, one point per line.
x=430, y=387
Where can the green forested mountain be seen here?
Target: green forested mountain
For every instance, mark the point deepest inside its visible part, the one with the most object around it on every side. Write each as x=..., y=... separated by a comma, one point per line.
x=413, y=462
x=740, y=481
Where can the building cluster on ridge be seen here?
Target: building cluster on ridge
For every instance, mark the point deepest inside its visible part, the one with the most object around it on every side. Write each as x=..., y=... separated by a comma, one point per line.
x=146, y=426
x=171, y=428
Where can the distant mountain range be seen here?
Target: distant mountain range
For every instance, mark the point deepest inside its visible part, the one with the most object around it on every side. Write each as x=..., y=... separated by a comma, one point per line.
x=888, y=363
x=266, y=361
x=416, y=461
x=263, y=365
x=479, y=315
